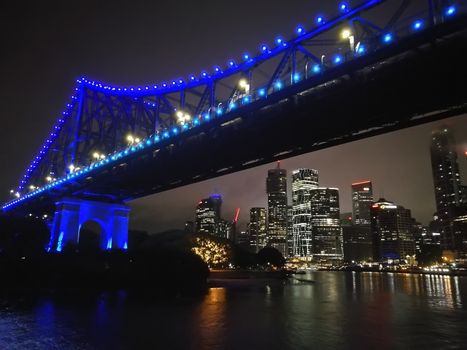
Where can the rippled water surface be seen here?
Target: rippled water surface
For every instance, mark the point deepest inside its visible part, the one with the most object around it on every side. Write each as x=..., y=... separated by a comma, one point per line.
x=340, y=310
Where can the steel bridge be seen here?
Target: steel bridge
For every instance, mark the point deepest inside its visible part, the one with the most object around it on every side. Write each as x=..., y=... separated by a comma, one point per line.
x=374, y=67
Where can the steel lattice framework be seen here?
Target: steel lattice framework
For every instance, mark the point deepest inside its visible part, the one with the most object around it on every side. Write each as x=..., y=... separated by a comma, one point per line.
x=95, y=126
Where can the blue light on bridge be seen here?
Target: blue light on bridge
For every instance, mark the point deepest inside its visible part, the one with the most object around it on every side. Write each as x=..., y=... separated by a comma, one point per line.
x=450, y=11
x=296, y=78
x=232, y=105
x=166, y=134
x=231, y=63
x=246, y=100
x=109, y=244
x=60, y=242
x=300, y=30
x=361, y=49
x=246, y=56
x=316, y=68
x=262, y=92
x=278, y=85
x=319, y=20
x=337, y=59
x=125, y=246
x=280, y=41
x=175, y=131
x=343, y=7
x=417, y=25
x=219, y=111
x=207, y=116
x=196, y=122
x=388, y=38
x=264, y=48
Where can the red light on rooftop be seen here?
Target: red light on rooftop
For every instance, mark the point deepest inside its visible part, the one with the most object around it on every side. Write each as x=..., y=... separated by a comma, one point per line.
x=361, y=183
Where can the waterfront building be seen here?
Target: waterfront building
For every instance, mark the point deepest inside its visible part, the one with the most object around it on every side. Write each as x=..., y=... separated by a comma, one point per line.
x=447, y=184
x=303, y=182
x=357, y=245
x=208, y=216
x=325, y=223
x=290, y=231
x=257, y=229
x=276, y=188
x=362, y=198
x=392, y=231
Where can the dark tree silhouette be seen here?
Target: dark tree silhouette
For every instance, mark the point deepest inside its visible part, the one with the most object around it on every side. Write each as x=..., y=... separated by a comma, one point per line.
x=271, y=256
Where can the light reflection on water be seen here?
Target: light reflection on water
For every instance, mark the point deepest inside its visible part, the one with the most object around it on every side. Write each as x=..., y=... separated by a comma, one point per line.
x=340, y=310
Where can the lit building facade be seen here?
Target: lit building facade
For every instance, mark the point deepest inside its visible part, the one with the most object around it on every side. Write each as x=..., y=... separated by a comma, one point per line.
x=392, y=231
x=303, y=182
x=358, y=244
x=325, y=223
x=257, y=229
x=447, y=184
x=362, y=198
x=290, y=231
x=208, y=216
x=276, y=188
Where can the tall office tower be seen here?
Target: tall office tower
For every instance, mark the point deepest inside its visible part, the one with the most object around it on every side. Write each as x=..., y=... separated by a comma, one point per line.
x=257, y=229
x=362, y=198
x=325, y=223
x=357, y=236
x=208, y=216
x=290, y=231
x=303, y=182
x=392, y=231
x=276, y=188
x=447, y=185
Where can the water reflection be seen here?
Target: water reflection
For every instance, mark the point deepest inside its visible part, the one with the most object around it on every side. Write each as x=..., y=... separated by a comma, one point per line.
x=210, y=324
x=338, y=310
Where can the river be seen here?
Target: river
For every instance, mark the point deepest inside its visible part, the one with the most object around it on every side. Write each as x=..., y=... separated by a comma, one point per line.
x=340, y=310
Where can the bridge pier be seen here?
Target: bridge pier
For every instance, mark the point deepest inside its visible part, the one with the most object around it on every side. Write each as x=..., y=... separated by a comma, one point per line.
x=72, y=213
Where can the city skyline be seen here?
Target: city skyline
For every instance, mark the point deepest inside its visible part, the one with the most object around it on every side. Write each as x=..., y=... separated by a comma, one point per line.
x=247, y=189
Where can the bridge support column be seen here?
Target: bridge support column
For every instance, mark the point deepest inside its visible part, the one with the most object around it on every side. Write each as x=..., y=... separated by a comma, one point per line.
x=72, y=213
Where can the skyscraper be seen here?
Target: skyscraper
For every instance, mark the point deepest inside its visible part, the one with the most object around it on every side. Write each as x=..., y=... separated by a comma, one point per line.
x=447, y=185
x=303, y=181
x=357, y=236
x=392, y=231
x=290, y=231
x=257, y=229
x=208, y=216
x=276, y=188
x=325, y=223
x=362, y=198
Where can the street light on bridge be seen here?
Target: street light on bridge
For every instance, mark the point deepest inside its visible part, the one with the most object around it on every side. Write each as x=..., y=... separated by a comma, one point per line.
x=98, y=156
x=132, y=139
x=182, y=117
x=347, y=34
x=244, y=85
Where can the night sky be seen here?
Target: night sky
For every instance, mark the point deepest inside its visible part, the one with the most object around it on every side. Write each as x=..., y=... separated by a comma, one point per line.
x=47, y=45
